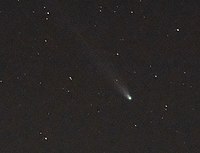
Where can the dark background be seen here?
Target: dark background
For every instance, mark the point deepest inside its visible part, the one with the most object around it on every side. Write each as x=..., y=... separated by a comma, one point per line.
x=59, y=60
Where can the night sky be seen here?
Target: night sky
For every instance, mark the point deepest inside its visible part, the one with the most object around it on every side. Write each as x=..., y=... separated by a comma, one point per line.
x=99, y=76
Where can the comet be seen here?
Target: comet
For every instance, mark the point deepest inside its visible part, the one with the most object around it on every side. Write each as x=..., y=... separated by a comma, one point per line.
x=128, y=97
x=124, y=91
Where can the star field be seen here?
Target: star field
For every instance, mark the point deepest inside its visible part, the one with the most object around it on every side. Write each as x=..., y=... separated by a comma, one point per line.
x=115, y=76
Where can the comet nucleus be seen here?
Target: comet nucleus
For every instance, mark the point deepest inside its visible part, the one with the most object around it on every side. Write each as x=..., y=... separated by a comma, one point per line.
x=128, y=97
